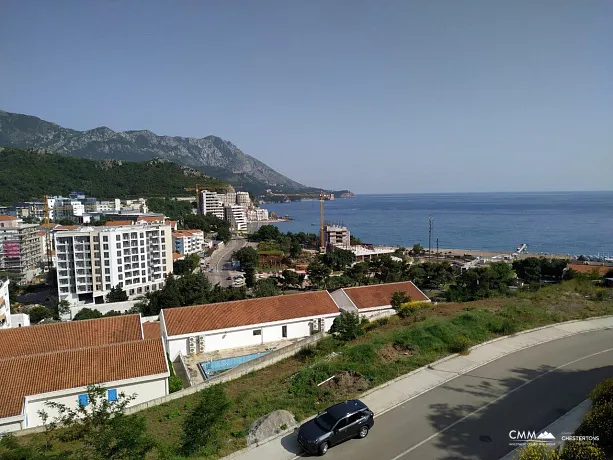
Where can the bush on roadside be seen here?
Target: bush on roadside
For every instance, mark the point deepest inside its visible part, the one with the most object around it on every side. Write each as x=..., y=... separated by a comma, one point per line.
x=537, y=451
x=599, y=422
x=603, y=393
x=460, y=345
x=305, y=382
x=174, y=383
x=581, y=450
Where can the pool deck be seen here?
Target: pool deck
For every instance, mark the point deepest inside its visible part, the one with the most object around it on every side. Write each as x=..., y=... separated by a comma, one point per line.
x=193, y=360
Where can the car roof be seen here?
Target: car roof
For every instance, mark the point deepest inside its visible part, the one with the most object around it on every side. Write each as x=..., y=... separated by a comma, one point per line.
x=346, y=408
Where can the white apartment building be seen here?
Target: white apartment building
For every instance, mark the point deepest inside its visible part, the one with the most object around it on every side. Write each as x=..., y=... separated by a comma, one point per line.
x=237, y=216
x=257, y=214
x=92, y=260
x=242, y=198
x=108, y=206
x=210, y=203
x=5, y=305
x=227, y=198
x=187, y=242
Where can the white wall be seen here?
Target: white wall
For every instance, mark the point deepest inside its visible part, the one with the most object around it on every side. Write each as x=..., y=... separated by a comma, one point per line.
x=10, y=424
x=20, y=320
x=104, y=308
x=145, y=391
x=243, y=337
x=377, y=312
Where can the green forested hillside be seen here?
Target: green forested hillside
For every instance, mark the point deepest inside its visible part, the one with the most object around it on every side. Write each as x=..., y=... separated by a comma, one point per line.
x=27, y=175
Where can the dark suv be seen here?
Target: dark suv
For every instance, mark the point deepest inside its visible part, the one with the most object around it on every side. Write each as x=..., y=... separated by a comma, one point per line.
x=349, y=419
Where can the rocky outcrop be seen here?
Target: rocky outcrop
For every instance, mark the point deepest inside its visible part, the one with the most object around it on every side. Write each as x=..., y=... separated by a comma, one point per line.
x=269, y=425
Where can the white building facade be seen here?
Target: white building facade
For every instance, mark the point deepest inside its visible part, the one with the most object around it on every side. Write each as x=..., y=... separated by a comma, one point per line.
x=188, y=242
x=245, y=323
x=237, y=216
x=5, y=304
x=93, y=260
x=210, y=203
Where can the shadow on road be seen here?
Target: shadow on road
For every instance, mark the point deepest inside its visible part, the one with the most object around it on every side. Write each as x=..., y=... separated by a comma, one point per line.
x=290, y=443
x=485, y=434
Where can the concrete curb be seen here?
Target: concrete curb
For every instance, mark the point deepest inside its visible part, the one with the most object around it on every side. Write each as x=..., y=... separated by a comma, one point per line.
x=455, y=374
x=568, y=423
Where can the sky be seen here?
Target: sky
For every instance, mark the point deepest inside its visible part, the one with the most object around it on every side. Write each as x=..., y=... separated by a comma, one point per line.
x=373, y=96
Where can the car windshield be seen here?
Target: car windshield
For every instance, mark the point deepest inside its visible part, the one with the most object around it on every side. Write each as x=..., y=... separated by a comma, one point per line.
x=325, y=421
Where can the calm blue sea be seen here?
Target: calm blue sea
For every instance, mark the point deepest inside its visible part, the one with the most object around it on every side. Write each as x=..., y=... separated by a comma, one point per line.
x=558, y=222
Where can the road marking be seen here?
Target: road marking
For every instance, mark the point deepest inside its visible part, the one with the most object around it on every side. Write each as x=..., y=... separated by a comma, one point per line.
x=457, y=422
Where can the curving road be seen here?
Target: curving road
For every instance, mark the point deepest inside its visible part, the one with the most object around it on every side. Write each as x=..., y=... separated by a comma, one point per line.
x=220, y=258
x=470, y=416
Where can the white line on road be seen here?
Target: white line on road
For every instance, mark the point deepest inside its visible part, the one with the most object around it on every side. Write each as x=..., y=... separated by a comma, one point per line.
x=448, y=427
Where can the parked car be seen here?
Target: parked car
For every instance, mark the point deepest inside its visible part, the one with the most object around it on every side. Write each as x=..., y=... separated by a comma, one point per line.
x=349, y=419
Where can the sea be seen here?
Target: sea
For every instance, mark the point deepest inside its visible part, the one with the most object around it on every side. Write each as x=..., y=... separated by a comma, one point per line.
x=573, y=223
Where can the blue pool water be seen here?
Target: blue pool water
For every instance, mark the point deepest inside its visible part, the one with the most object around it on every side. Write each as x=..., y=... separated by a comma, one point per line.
x=210, y=368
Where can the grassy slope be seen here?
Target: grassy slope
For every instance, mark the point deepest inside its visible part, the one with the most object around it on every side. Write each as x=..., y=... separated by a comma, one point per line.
x=26, y=175
x=433, y=335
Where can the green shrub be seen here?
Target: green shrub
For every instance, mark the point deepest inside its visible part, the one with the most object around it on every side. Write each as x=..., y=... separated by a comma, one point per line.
x=174, y=383
x=599, y=422
x=364, y=353
x=603, y=393
x=460, y=345
x=581, y=450
x=348, y=326
x=537, y=451
x=409, y=309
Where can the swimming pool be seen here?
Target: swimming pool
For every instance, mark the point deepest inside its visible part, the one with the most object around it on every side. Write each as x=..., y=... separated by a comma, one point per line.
x=210, y=368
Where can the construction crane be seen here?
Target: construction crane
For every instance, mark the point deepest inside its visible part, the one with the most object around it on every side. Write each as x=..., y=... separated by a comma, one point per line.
x=322, y=196
x=197, y=189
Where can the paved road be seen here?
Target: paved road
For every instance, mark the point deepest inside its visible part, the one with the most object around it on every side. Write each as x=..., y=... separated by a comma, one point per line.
x=220, y=258
x=470, y=417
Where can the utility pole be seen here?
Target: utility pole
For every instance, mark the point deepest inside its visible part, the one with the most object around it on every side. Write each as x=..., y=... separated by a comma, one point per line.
x=430, y=222
x=437, y=249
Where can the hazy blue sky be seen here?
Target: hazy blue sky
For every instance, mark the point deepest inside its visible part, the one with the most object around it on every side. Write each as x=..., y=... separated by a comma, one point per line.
x=374, y=96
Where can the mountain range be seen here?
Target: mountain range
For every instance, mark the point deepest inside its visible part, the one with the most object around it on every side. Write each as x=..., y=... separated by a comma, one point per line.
x=212, y=155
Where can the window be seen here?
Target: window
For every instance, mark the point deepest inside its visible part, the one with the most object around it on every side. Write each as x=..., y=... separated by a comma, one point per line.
x=341, y=424
x=284, y=331
x=83, y=400
x=117, y=237
x=354, y=418
x=107, y=271
x=112, y=395
x=105, y=238
x=118, y=253
x=257, y=332
x=118, y=245
x=107, y=279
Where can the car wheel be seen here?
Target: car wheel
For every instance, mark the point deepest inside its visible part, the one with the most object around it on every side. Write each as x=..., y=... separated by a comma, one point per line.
x=323, y=448
x=363, y=432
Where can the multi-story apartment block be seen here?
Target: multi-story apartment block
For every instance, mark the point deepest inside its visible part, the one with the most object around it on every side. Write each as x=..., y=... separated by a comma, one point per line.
x=108, y=206
x=243, y=199
x=187, y=242
x=5, y=304
x=209, y=203
x=92, y=260
x=337, y=235
x=20, y=248
x=227, y=198
x=237, y=216
x=257, y=214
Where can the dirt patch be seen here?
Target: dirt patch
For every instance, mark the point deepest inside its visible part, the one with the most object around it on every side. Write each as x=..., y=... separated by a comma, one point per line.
x=347, y=382
x=392, y=352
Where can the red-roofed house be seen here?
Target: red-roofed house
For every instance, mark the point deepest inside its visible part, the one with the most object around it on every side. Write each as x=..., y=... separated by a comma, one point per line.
x=244, y=323
x=56, y=362
x=374, y=300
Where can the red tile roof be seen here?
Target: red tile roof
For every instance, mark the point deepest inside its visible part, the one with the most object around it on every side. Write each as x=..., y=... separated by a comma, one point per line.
x=117, y=223
x=215, y=316
x=601, y=270
x=7, y=218
x=150, y=219
x=69, y=335
x=152, y=330
x=378, y=295
x=41, y=373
